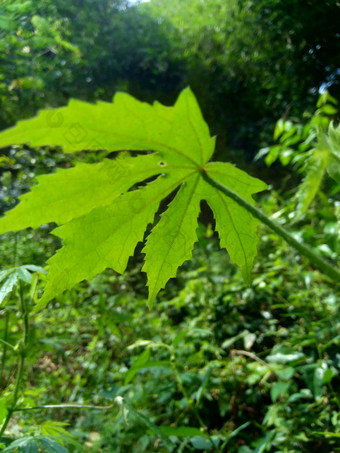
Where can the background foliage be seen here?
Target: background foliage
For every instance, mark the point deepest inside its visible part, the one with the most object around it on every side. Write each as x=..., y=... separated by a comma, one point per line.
x=258, y=365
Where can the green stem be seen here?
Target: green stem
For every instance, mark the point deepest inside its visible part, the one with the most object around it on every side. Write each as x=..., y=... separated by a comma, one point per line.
x=22, y=356
x=9, y=345
x=15, y=394
x=315, y=259
x=25, y=313
x=5, y=346
x=64, y=406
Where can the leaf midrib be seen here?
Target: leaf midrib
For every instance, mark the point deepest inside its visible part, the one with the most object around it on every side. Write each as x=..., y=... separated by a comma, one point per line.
x=122, y=224
x=225, y=204
x=146, y=141
x=179, y=226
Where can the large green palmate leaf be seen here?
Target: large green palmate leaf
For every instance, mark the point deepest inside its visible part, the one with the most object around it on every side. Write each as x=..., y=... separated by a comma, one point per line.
x=105, y=209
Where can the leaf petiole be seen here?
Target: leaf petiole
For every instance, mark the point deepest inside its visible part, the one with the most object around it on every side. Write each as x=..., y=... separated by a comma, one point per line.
x=315, y=259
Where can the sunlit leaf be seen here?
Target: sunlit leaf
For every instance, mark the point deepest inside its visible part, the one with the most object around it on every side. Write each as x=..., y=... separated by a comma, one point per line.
x=105, y=209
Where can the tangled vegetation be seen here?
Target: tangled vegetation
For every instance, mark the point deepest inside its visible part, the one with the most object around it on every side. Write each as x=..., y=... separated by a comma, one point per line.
x=218, y=364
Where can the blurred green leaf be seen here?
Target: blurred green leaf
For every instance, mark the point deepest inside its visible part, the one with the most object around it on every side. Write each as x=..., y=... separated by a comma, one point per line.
x=200, y=443
x=137, y=365
x=318, y=382
x=278, y=389
x=329, y=109
x=8, y=285
x=179, y=337
x=203, y=386
x=52, y=446
x=180, y=431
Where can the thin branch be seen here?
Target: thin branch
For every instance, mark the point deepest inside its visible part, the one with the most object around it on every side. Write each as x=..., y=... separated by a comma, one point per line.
x=64, y=406
x=254, y=357
x=7, y=344
x=250, y=355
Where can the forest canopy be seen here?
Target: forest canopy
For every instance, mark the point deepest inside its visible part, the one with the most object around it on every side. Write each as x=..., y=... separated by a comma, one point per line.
x=248, y=62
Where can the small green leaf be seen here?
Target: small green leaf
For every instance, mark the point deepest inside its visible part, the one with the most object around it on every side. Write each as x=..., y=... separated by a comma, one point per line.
x=24, y=275
x=19, y=443
x=8, y=285
x=327, y=434
x=4, y=273
x=278, y=389
x=318, y=382
x=329, y=109
x=33, y=268
x=286, y=373
x=239, y=429
x=272, y=155
x=230, y=341
x=31, y=447
x=179, y=337
x=138, y=364
x=285, y=357
x=316, y=169
x=52, y=446
x=203, y=386
x=279, y=129
x=327, y=376
x=248, y=340
x=201, y=443
x=52, y=428
x=265, y=442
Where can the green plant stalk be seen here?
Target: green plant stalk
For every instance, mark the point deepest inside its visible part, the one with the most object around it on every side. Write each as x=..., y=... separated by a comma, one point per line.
x=64, y=406
x=22, y=355
x=5, y=346
x=315, y=259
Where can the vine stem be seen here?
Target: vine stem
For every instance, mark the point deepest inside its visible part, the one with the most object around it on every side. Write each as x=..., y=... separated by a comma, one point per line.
x=315, y=259
x=9, y=345
x=22, y=356
x=5, y=346
x=64, y=406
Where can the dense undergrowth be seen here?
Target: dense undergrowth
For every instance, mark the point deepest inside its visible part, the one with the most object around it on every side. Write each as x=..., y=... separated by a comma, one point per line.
x=251, y=368
x=216, y=365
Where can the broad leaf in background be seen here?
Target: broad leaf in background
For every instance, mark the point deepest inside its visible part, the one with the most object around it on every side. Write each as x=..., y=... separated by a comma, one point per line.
x=309, y=148
x=334, y=146
x=10, y=277
x=325, y=157
x=30, y=444
x=105, y=209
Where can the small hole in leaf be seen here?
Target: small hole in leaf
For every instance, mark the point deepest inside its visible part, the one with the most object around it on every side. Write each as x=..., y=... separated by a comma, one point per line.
x=162, y=164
